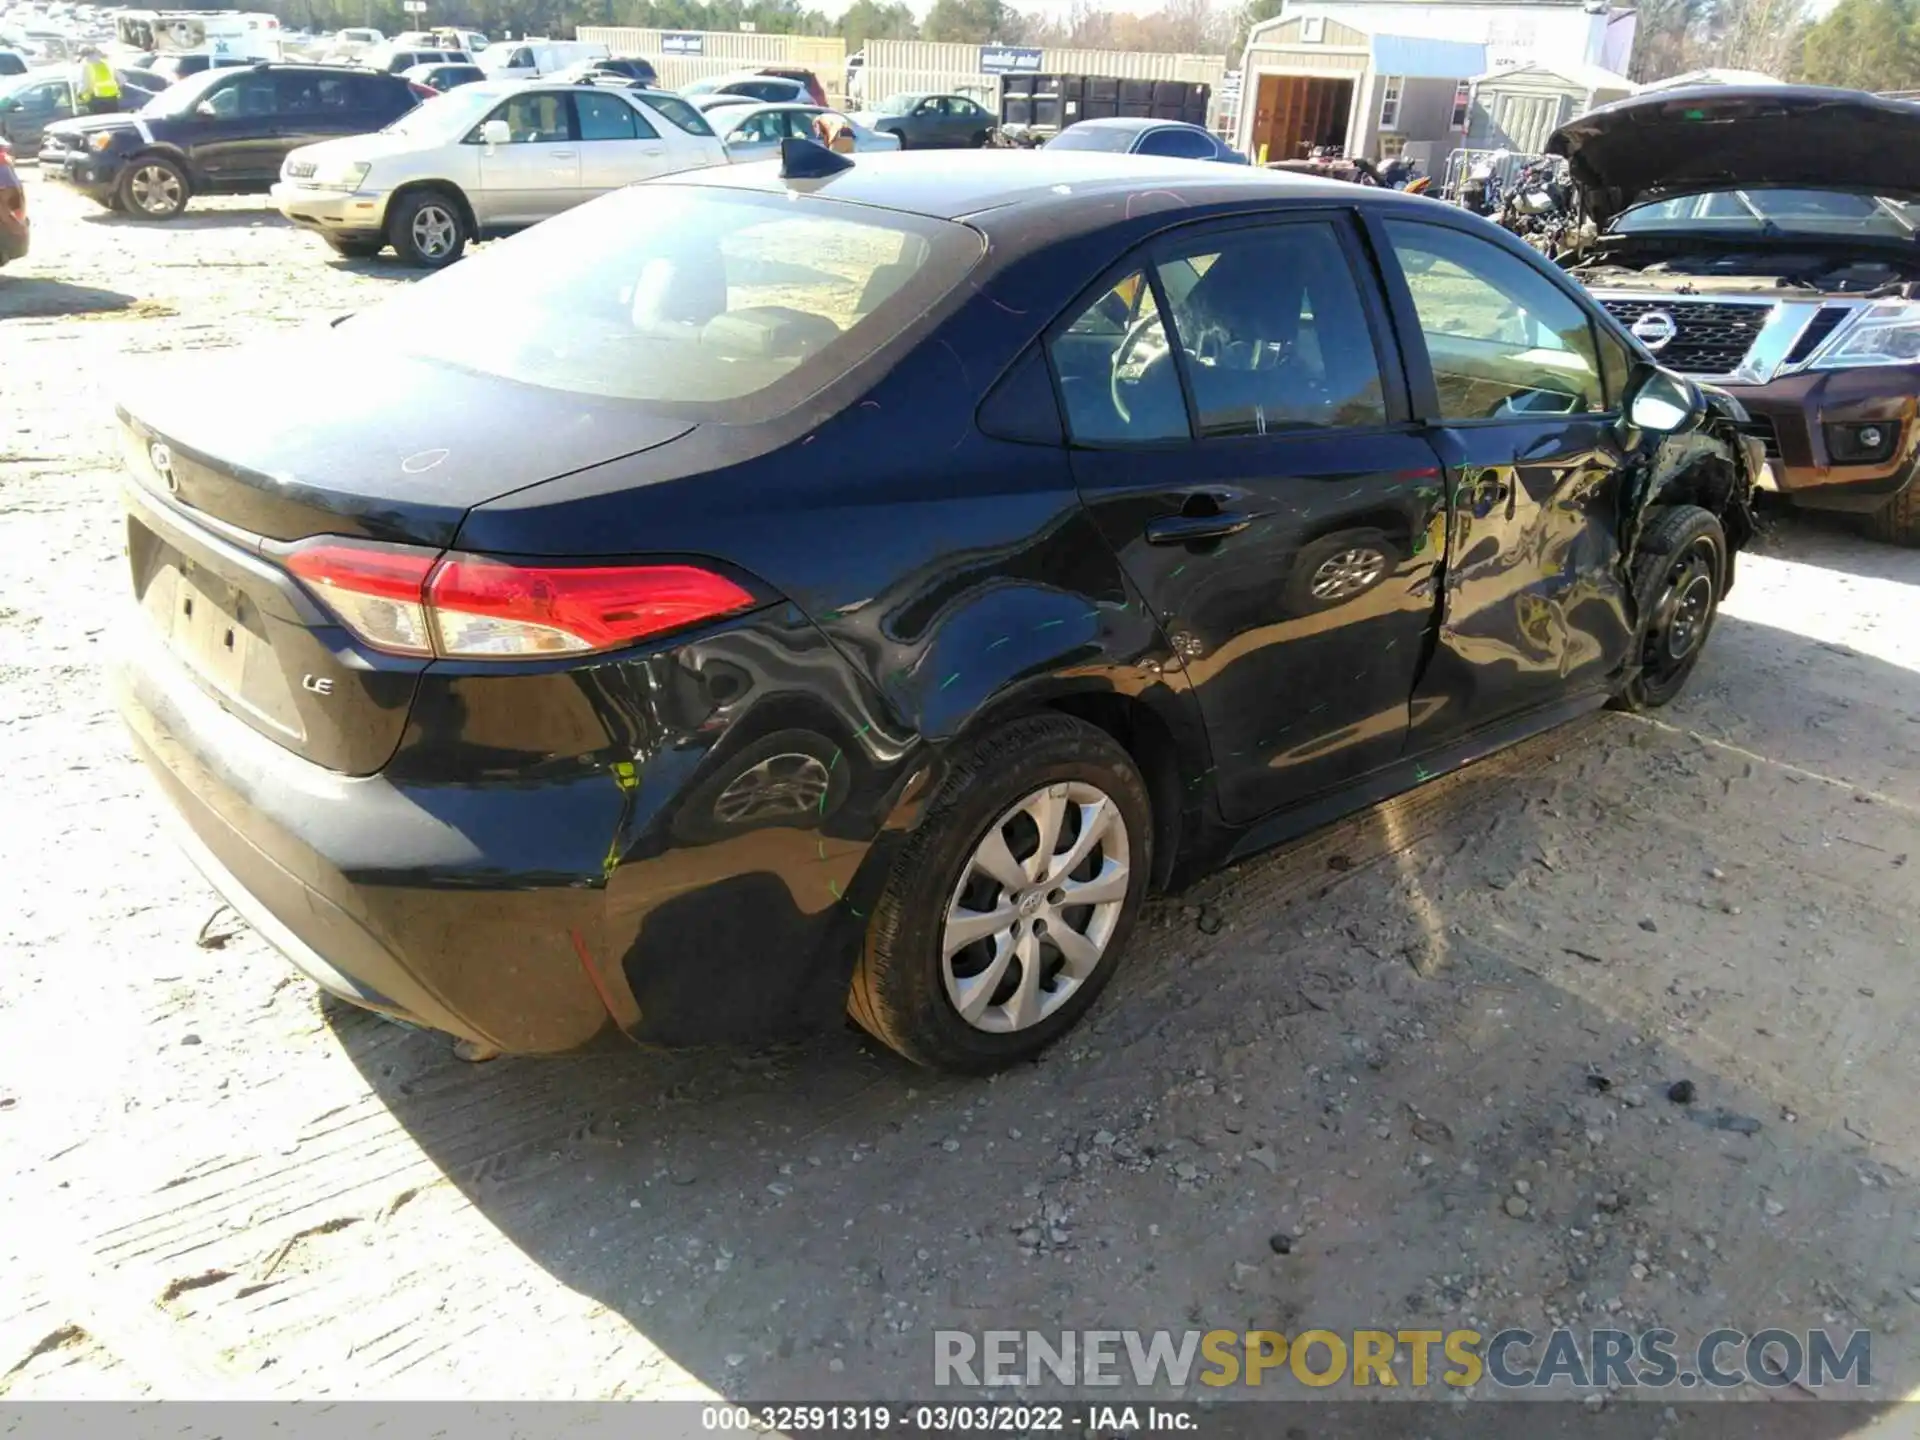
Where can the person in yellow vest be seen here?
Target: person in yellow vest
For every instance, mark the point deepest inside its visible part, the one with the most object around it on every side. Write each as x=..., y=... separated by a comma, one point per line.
x=98, y=93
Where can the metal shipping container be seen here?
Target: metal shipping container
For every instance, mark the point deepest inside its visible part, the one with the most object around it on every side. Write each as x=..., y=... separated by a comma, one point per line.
x=903, y=66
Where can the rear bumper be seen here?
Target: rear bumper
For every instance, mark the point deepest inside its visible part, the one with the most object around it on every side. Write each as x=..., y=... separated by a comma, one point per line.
x=356, y=216
x=532, y=903
x=14, y=240
x=1791, y=414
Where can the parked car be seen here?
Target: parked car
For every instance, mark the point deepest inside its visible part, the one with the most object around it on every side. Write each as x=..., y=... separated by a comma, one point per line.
x=932, y=122
x=443, y=76
x=398, y=62
x=1765, y=238
x=15, y=229
x=1173, y=139
x=707, y=104
x=754, y=132
x=222, y=131
x=30, y=103
x=531, y=59
x=631, y=69
x=768, y=89
x=486, y=159
x=12, y=62
x=176, y=67
x=855, y=593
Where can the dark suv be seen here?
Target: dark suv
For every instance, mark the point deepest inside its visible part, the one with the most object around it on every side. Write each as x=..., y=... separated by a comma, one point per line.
x=222, y=131
x=1767, y=239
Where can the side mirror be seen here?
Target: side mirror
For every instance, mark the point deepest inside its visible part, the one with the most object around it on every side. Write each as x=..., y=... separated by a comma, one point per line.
x=1665, y=403
x=495, y=132
x=205, y=108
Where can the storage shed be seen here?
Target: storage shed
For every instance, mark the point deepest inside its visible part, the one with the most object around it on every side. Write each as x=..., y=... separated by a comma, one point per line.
x=1517, y=107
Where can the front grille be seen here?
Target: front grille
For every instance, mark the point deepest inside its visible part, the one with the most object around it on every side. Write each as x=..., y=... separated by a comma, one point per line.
x=1761, y=428
x=1711, y=337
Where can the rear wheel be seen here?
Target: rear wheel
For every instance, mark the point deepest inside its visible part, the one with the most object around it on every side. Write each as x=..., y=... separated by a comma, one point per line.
x=427, y=228
x=1677, y=581
x=980, y=139
x=153, y=188
x=1007, y=911
x=1898, y=521
x=354, y=249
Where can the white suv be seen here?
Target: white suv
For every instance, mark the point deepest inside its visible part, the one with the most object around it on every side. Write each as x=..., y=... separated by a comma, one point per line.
x=485, y=159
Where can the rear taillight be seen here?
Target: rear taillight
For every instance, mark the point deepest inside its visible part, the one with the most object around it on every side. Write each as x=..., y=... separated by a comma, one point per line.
x=421, y=92
x=418, y=602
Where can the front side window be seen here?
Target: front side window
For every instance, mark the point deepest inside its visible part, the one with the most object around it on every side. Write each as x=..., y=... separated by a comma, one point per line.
x=535, y=119
x=1116, y=371
x=1505, y=342
x=608, y=117
x=1390, y=102
x=763, y=128
x=1273, y=332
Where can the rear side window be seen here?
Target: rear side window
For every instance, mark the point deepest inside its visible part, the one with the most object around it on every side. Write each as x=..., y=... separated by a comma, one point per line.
x=695, y=298
x=680, y=113
x=608, y=117
x=1505, y=342
x=1116, y=371
x=1273, y=332
x=310, y=92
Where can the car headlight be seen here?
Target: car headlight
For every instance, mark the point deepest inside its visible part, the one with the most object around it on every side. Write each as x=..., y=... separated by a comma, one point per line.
x=101, y=140
x=1886, y=334
x=339, y=175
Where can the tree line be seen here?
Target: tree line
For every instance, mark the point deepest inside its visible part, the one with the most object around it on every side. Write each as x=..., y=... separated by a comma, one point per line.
x=1859, y=44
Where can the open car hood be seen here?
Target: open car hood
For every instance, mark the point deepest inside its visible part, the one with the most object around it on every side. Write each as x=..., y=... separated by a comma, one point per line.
x=1682, y=142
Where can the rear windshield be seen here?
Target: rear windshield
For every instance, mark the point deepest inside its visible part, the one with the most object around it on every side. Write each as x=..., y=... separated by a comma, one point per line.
x=678, y=111
x=1771, y=211
x=1093, y=137
x=683, y=296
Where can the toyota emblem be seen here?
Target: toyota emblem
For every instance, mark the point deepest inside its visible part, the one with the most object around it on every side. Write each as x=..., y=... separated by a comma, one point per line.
x=1655, y=330
x=162, y=459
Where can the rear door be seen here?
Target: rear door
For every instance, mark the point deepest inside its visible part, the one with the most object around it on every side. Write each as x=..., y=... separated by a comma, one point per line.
x=1511, y=376
x=618, y=145
x=240, y=142
x=755, y=137
x=537, y=172
x=315, y=105
x=1241, y=434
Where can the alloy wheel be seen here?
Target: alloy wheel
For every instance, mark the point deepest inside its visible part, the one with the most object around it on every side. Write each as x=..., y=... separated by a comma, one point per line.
x=1349, y=573
x=434, y=230
x=1037, y=904
x=780, y=787
x=156, y=190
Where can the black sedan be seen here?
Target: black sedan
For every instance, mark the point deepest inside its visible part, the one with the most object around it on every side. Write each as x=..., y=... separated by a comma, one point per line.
x=745, y=599
x=1166, y=138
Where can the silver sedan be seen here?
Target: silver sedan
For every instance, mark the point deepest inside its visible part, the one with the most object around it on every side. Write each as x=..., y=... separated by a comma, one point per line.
x=755, y=132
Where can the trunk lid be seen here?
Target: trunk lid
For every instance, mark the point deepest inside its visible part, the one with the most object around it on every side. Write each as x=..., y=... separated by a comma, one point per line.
x=1682, y=142
x=235, y=458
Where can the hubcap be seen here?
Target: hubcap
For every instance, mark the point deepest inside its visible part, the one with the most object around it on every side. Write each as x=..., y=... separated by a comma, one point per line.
x=1342, y=576
x=155, y=191
x=1036, y=907
x=434, y=230
x=778, y=788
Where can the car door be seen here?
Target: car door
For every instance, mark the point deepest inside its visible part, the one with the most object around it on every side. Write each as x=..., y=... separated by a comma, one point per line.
x=536, y=173
x=315, y=106
x=233, y=138
x=1511, y=379
x=1242, y=436
x=34, y=108
x=756, y=136
x=617, y=144
x=963, y=120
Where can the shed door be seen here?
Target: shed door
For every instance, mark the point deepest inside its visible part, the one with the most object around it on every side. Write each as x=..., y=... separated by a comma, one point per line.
x=1527, y=120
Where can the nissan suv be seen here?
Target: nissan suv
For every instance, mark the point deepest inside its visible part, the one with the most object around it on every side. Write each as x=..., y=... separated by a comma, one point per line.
x=221, y=131
x=1767, y=239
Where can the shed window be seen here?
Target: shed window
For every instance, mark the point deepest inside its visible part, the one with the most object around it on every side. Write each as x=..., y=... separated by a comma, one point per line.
x=1462, y=99
x=1313, y=30
x=1390, y=102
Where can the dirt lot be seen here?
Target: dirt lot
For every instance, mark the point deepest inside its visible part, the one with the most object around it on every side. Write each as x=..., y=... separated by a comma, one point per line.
x=1431, y=1048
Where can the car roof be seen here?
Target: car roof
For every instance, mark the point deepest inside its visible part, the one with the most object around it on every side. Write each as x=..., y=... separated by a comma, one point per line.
x=1136, y=124
x=974, y=182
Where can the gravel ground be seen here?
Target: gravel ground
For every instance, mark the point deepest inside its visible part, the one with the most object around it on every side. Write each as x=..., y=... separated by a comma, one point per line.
x=1425, y=1054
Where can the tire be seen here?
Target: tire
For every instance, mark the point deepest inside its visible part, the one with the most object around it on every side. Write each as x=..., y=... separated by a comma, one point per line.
x=1677, y=582
x=1898, y=521
x=1339, y=568
x=903, y=994
x=152, y=187
x=417, y=219
x=354, y=249
x=980, y=140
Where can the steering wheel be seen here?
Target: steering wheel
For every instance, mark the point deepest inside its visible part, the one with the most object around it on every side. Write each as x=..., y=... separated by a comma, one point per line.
x=1128, y=371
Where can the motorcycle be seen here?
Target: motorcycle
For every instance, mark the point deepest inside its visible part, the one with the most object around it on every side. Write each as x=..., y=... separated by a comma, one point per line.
x=1539, y=207
x=1481, y=192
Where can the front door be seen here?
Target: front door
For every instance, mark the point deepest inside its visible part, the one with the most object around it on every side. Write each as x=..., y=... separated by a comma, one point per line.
x=536, y=173
x=1511, y=378
x=1241, y=436
x=235, y=135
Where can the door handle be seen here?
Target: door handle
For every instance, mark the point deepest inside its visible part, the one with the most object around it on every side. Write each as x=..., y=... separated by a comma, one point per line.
x=1186, y=529
x=566, y=154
